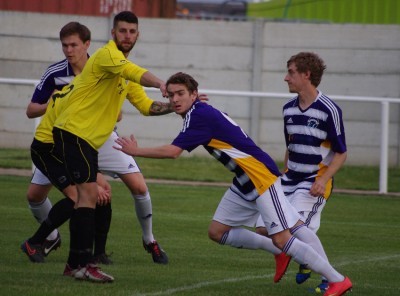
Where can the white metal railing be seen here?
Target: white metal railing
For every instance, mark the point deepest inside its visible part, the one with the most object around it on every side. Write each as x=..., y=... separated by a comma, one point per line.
x=385, y=102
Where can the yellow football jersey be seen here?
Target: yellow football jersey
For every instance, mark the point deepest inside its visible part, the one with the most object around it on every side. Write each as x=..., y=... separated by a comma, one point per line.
x=138, y=98
x=97, y=94
x=56, y=104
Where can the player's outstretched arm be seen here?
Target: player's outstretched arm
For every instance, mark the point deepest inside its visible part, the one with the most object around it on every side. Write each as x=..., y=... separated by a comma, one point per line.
x=130, y=147
x=150, y=80
x=160, y=108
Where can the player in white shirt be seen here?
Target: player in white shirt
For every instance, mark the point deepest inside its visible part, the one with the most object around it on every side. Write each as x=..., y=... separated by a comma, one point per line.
x=316, y=146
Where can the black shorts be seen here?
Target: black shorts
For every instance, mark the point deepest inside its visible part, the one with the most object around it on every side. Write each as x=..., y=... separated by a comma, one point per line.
x=80, y=159
x=49, y=165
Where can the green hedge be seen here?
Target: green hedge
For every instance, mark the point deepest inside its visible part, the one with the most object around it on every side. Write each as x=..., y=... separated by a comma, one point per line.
x=331, y=11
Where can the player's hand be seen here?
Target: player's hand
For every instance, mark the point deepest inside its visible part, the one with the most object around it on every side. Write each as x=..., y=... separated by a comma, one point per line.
x=163, y=89
x=104, y=196
x=318, y=188
x=127, y=145
x=203, y=98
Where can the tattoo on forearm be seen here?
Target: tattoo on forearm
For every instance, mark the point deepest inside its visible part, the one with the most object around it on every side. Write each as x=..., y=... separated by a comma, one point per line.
x=160, y=108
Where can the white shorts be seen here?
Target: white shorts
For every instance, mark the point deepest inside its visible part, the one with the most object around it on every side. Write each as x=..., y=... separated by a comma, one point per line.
x=39, y=178
x=308, y=207
x=114, y=162
x=272, y=205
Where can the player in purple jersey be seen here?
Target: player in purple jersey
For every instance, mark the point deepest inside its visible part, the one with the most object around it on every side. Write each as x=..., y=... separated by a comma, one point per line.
x=316, y=146
x=75, y=41
x=256, y=188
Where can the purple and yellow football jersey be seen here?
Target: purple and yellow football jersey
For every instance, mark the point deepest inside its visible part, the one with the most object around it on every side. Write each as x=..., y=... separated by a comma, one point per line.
x=254, y=170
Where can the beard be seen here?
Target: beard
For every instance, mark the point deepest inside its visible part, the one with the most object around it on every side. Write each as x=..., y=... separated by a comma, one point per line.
x=122, y=48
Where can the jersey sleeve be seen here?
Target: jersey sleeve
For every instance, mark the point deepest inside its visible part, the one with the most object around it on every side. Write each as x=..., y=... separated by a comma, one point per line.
x=285, y=132
x=138, y=98
x=111, y=60
x=44, y=89
x=133, y=72
x=196, y=131
x=336, y=133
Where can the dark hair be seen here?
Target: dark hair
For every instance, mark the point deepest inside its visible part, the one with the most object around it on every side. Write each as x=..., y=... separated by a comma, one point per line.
x=185, y=79
x=309, y=61
x=125, y=16
x=73, y=28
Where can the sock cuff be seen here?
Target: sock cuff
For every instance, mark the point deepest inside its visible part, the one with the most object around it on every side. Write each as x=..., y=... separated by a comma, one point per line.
x=288, y=245
x=224, y=238
x=38, y=204
x=293, y=230
x=145, y=196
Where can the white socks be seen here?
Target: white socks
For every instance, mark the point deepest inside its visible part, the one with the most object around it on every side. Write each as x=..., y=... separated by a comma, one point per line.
x=307, y=236
x=143, y=210
x=246, y=239
x=40, y=211
x=304, y=254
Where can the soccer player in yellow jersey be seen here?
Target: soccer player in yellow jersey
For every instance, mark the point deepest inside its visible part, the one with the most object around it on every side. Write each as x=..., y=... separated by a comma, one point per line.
x=94, y=101
x=97, y=95
x=54, y=170
x=75, y=40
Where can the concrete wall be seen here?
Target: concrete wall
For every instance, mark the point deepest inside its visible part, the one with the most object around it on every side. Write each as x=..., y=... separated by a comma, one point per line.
x=362, y=60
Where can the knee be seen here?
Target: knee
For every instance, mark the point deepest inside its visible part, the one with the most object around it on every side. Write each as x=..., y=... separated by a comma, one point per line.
x=71, y=193
x=135, y=182
x=262, y=231
x=139, y=191
x=35, y=197
x=279, y=243
x=280, y=239
x=214, y=235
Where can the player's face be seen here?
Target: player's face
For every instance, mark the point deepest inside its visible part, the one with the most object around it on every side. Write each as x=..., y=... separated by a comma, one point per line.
x=296, y=81
x=180, y=98
x=74, y=49
x=125, y=36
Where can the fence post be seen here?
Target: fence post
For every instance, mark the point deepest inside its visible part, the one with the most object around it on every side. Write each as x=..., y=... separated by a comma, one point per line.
x=383, y=168
x=255, y=105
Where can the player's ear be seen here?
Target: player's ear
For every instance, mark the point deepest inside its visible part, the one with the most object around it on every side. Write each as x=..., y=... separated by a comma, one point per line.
x=195, y=94
x=307, y=74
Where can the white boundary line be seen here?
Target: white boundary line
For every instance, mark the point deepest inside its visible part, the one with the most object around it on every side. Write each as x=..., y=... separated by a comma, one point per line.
x=249, y=277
